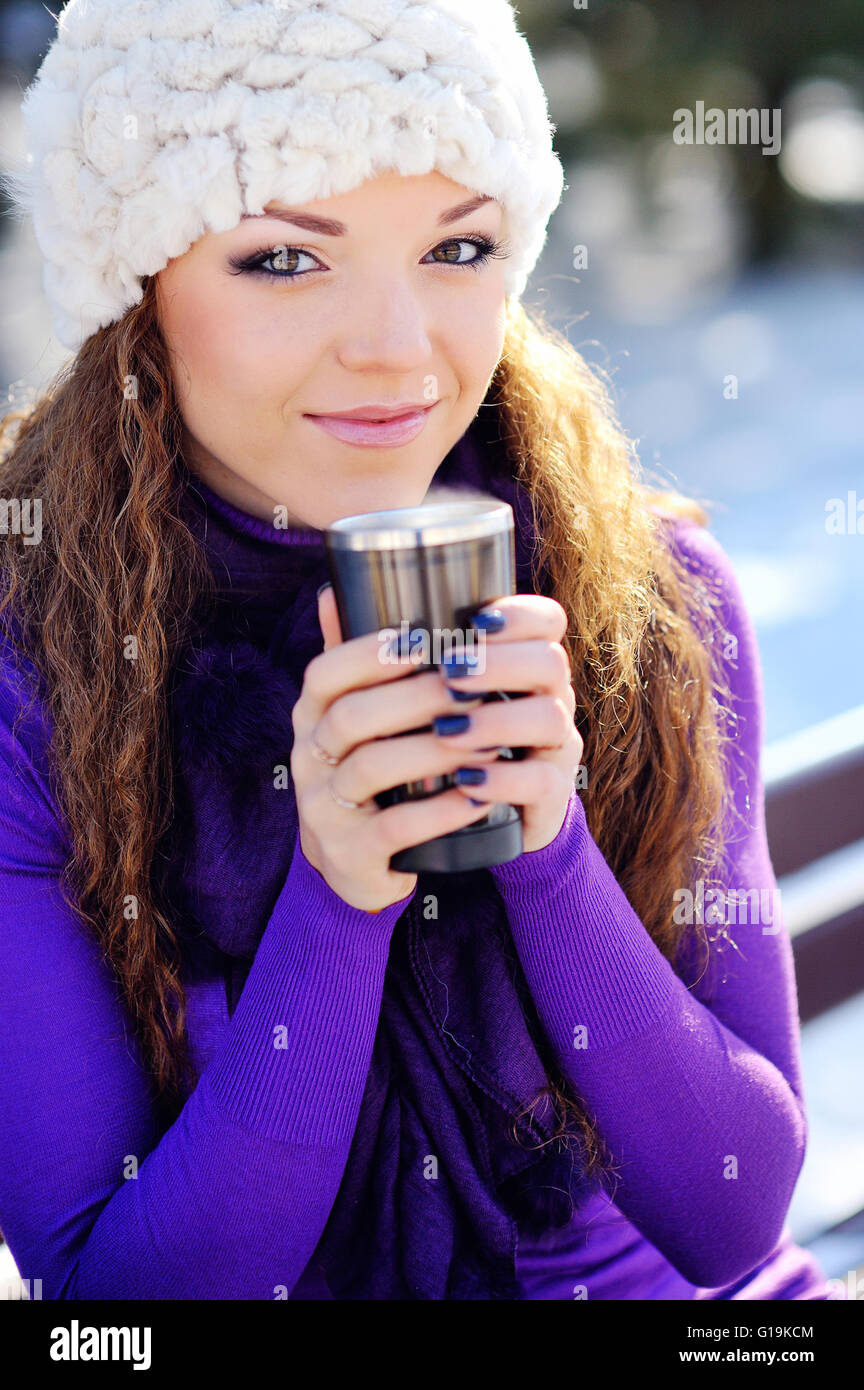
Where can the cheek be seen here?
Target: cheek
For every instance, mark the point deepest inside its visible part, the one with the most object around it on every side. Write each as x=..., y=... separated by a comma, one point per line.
x=225, y=351
x=475, y=335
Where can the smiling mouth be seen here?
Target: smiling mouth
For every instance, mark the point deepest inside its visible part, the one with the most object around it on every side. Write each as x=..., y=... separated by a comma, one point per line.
x=368, y=428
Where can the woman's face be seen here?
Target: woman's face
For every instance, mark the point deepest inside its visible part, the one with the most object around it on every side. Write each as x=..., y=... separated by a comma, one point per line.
x=385, y=304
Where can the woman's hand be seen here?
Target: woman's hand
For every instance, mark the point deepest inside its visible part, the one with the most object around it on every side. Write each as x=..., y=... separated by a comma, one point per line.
x=350, y=705
x=523, y=652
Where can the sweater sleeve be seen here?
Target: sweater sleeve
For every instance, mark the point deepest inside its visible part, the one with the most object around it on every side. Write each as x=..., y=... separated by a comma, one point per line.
x=230, y=1201
x=696, y=1091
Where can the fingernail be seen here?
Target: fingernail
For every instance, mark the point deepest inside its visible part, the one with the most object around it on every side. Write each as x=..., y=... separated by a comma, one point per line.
x=475, y=802
x=457, y=666
x=469, y=776
x=465, y=695
x=322, y=587
x=407, y=644
x=447, y=724
x=489, y=620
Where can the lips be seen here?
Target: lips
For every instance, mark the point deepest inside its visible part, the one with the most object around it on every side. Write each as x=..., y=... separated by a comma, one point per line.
x=370, y=427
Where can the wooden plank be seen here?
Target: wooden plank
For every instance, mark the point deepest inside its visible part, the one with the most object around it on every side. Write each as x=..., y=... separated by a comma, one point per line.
x=813, y=815
x=829, y=963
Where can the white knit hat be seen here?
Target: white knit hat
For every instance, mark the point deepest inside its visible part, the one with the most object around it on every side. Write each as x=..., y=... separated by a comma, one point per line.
x=152, y=122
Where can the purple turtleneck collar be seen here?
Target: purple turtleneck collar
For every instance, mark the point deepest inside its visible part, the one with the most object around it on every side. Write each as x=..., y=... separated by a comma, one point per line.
x=253, y=526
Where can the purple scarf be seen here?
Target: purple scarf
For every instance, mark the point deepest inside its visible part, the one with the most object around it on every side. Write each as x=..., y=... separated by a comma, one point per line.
x=452, y=1092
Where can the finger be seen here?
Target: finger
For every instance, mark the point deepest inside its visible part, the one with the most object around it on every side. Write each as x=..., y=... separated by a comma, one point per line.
x=518, y=784
x=328, y=617
x=381, y=711
x=537, y=721
x=414, y=822
x=518, y=617
x=534, y=665
x=393, y=762
x=355, y=664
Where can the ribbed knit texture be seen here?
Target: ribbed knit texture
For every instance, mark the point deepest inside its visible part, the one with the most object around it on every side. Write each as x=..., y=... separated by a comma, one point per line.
x=317, y=977
x=231, y=1198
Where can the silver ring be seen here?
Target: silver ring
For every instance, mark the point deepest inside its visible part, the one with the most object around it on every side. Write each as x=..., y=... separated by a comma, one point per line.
x=321, y=753
x=342, y=800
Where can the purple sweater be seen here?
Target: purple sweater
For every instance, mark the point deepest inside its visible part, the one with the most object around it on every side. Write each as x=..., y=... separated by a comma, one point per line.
x=697, y=1092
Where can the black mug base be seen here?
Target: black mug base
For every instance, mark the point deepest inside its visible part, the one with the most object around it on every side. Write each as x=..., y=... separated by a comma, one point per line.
x=476, y=847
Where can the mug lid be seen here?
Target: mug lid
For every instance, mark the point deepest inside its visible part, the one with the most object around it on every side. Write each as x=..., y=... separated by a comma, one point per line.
x=405, y=528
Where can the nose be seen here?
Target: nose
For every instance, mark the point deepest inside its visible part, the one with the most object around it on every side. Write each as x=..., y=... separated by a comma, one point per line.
x=386, y=327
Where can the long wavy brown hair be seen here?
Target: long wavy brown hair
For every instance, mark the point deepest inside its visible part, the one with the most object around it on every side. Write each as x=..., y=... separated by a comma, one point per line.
x=100, y=448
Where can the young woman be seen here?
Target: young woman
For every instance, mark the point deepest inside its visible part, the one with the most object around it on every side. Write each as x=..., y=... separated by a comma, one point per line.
x=240, y=1057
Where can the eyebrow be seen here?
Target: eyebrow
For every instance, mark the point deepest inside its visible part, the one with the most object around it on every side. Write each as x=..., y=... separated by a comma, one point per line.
x=328, y=226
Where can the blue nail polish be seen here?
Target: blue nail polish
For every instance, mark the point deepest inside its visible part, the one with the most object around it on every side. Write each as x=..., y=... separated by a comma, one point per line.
x=454, y=667
x=465, y=695
x=447, y=724
x=406, y=644
x=322, y=587
x=475, y=802
x=489, y=620
x=469, y=776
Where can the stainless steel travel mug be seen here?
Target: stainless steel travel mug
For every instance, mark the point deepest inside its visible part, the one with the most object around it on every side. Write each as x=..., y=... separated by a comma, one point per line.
x=420, y=573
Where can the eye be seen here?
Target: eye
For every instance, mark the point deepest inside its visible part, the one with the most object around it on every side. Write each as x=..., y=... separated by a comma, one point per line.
x=284, y=259
x=486, y=248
